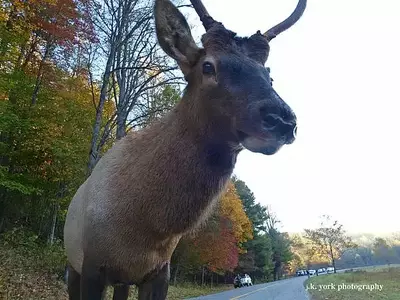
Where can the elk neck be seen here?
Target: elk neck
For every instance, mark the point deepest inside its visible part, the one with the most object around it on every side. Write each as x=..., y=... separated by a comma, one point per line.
x=189, y=156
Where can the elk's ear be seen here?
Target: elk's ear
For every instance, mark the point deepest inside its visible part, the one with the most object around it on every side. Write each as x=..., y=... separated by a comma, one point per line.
x=174, y=36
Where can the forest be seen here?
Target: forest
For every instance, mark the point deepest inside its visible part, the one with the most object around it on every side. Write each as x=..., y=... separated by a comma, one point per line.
x=77, y=75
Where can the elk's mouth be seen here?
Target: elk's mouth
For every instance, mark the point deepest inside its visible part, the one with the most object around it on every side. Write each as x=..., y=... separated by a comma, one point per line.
x=259, y=144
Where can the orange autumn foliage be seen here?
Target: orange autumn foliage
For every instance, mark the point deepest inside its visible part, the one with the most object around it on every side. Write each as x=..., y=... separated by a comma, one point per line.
x=219, y=244
x=217, y=247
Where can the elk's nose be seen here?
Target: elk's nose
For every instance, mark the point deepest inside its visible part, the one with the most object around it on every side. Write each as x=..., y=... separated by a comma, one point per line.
x=286, y=130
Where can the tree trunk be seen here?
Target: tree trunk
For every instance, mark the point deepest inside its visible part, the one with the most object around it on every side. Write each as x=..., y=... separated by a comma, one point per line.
x=2, y=222
x=176, y=274
x=29, y=54
x=202, y=276
x=60, y=195
x=332, y=258
x=334, y=265
x=94, y=150
x=4, y=200
x=122, y=104
x=121, y=128
x=39, y=74
x=53, y=224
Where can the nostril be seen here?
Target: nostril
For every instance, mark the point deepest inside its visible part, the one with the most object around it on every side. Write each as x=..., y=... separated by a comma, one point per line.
x=272, y=120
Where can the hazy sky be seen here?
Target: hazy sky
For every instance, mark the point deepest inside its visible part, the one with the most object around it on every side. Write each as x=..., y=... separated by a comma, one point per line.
x=339, y=69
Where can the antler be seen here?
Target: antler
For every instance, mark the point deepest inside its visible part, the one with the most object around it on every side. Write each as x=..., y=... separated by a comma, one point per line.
x=288, y=22
x=205, y=18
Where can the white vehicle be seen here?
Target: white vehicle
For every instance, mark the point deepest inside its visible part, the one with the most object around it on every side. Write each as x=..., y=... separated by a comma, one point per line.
x=330, y=270
x=312, y=273
x=241, y=281
x=321, y=271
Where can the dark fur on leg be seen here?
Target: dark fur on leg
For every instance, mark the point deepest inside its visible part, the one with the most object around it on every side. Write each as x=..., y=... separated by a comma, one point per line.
x=74, y=283
x=93, y=283
x=121, y=292
x=156, y=286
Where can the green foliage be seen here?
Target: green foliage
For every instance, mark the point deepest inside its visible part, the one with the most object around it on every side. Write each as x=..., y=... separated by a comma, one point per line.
x=257, y=213
x=270, y=251
x=28, y=245
x=45, y=145
x=13, y=184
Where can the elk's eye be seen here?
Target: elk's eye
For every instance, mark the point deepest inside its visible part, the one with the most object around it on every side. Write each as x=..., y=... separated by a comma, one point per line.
x=208, y=69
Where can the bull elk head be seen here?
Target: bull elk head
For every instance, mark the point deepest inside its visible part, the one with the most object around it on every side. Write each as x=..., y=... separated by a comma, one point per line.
x=229, y=71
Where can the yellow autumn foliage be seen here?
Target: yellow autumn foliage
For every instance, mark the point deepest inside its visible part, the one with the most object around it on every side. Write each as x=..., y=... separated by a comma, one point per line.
x=231, y=207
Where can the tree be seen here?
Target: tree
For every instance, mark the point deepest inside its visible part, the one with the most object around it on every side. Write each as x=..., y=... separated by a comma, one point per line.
x=40, y=31
x=42, y=162
x=35, y=37
x=43, y=132
x=383, y=251
x=269, y=252
x=215, y=248
x=257, y=214
x=281, y=245
x=330, y=239
x=218, y=249
x=232, y=209
x=281, y=252
x=134, y=69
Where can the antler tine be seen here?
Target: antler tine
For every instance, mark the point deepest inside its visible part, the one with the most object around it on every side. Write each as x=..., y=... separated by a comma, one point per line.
x=288, y=22
x=205, y=17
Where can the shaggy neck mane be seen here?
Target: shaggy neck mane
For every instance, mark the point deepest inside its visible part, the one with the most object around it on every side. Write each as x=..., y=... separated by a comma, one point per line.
x=187, y=158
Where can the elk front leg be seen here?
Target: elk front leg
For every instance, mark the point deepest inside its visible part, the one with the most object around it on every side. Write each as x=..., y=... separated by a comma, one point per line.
x=93, y=281
x=156, y=287
x=121, y=292
x=74, y=283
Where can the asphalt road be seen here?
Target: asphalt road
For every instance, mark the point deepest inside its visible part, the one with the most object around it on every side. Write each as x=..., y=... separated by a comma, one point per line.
x=288, y=289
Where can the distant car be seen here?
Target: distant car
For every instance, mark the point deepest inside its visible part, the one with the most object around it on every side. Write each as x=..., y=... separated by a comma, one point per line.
x=321, y=271
x=312, y=273
x=247, y=280
x=241, y=281
x=330, y=270
x=237, y=282
x=301, y=273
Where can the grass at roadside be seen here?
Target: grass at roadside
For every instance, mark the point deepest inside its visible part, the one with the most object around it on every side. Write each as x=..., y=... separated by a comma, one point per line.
x=184, y=291
x=375, y=283
x=32, y=272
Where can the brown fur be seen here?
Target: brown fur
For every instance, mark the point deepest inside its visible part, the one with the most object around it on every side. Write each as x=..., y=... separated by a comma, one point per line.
x=155, y=185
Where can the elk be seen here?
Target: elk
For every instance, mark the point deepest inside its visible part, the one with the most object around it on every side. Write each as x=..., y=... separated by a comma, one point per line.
x=162, y=182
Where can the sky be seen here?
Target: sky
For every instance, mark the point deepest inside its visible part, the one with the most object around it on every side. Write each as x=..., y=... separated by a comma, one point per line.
x=339, y=70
